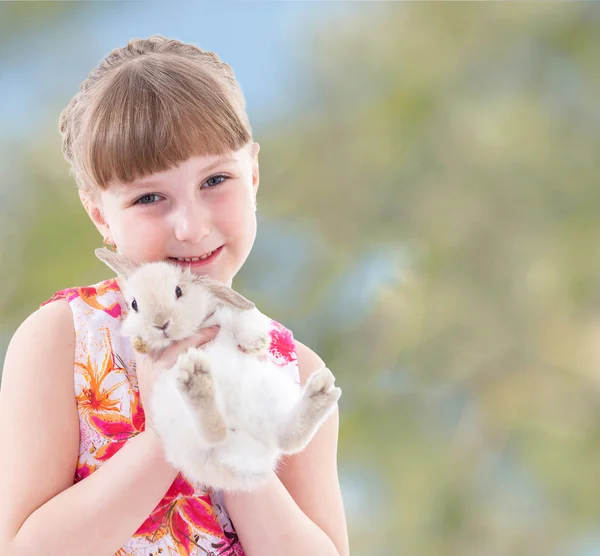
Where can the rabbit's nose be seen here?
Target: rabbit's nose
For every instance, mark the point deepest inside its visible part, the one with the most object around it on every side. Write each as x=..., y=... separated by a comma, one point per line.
x=163, y=326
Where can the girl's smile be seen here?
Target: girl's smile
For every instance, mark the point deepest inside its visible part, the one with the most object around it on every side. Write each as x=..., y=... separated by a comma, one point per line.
x=202, y=260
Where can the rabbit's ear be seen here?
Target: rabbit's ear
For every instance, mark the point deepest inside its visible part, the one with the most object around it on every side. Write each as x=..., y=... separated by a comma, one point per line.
x=224, y=294
x=121, y=265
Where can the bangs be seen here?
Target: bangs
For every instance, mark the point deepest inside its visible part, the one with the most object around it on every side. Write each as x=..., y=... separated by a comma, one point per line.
x=154, y=113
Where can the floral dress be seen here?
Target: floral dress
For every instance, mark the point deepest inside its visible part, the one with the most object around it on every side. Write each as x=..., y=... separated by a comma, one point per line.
x=189, y=520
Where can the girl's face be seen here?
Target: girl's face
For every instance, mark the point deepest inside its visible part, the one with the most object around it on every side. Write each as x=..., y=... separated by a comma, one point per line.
x=206, y=203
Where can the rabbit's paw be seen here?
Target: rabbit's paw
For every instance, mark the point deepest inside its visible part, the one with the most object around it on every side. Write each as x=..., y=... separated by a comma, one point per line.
x=139, y=345
x=194, y=379
x=193, y=374
x=319, y=397
x=252, y=331
x=320, y=388
x=254, y=343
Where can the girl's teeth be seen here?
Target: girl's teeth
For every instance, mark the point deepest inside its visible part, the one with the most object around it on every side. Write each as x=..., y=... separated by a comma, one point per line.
x=196, y=258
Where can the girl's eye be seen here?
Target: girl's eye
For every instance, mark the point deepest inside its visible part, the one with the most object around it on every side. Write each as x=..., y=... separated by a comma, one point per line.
x=147, y=199
x=178, y=291
x=212, y=181
x=134, y=305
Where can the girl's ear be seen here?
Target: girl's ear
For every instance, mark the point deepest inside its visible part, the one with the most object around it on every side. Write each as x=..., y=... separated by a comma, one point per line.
x=255, y=171
x=92, y=205
x=224, y=294
x=123, y=266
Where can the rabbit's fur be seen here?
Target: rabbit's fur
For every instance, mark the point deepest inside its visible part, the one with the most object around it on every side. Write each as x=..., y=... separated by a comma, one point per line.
x=225, y=413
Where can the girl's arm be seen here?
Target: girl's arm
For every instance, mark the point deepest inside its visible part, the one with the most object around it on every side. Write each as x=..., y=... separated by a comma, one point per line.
x=41, y=511
x=301, y=511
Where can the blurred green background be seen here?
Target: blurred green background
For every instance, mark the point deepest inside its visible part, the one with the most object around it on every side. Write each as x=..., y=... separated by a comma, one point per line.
x=428, y=224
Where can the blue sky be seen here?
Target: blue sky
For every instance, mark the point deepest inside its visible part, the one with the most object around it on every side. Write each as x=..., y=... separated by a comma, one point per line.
x=262, y=41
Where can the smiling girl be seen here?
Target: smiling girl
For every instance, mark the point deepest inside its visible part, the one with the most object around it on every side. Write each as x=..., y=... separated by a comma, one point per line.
x=162, y=152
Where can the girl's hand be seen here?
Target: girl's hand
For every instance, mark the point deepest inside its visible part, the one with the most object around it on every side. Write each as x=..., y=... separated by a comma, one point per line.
x=148, y=367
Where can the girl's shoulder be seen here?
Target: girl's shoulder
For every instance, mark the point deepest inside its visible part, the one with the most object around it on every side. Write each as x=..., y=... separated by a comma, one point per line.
x=47, y=331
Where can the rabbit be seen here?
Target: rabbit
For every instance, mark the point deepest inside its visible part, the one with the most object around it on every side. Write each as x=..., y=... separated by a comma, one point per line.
x=226, y=413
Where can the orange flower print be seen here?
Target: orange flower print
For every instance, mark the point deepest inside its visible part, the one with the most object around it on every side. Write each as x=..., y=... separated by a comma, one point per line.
x=84, y=471
x=93, y=397
x=90, y=294
x=185, y=515
x=117, y=428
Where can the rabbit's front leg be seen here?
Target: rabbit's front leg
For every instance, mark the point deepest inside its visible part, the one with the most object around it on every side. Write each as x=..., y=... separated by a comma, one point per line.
x=251, y=330
x=318, y=400
x=195, y=380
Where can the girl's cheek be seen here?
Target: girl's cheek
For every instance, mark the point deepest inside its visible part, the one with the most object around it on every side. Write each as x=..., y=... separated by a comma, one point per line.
x=143, y=232
x=234, y=207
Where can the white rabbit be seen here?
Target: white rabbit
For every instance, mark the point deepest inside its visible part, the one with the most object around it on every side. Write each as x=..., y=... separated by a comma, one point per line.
x=225, y=415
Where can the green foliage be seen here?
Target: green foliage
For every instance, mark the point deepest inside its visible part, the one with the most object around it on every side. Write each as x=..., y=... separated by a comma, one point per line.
x=468, y=135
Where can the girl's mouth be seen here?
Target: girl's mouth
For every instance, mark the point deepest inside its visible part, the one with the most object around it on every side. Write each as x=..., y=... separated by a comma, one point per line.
x=197, y=261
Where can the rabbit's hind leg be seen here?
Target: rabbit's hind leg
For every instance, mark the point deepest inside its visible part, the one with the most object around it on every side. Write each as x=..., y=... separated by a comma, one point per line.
x=195, y=380
x=318, y=400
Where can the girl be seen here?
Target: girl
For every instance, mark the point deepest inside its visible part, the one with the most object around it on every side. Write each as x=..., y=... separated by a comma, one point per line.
x=162, y=152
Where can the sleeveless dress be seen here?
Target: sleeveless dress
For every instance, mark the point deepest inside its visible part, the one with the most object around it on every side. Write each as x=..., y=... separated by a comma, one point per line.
x=188, y=520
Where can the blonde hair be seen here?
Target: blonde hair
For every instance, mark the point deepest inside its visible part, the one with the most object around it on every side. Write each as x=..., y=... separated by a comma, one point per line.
x=148, y=106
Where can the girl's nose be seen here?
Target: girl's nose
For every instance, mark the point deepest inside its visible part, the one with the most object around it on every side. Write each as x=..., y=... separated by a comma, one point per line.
x=191, y=223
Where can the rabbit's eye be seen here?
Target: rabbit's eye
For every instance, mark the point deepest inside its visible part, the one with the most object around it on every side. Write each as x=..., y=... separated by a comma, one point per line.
x=134, y=305
x=178, y=291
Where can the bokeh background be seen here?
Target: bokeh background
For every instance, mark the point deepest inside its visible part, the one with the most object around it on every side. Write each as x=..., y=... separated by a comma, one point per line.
x=428, y=223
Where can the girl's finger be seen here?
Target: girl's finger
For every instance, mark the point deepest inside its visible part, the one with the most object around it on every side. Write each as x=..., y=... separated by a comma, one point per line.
x=169, y=355
x=206, y=335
